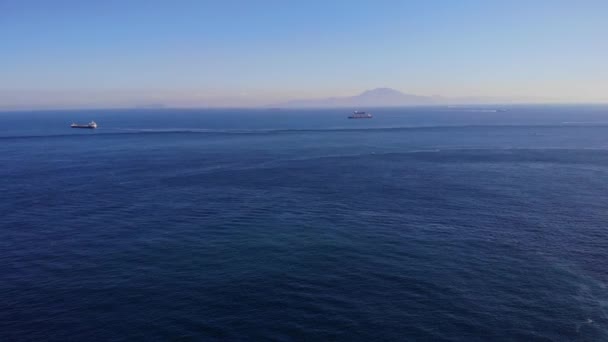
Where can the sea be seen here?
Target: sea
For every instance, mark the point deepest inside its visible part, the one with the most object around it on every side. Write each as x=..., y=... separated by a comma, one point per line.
x=483, y=223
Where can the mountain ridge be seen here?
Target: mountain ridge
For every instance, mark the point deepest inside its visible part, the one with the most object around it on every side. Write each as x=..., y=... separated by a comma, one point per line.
x=389, y=97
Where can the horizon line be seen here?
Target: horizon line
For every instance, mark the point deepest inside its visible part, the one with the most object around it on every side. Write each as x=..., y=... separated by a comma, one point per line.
x=278, y=108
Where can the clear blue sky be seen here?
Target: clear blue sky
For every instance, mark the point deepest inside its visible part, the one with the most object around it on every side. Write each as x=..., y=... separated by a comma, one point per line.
x=188, y=52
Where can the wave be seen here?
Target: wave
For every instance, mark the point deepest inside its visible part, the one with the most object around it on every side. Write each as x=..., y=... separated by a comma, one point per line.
x=526, y=156
x=263, y=131
x=586, y=123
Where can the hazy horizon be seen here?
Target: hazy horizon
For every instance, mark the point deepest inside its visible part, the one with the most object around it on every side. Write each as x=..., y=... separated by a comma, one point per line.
x=69, y=54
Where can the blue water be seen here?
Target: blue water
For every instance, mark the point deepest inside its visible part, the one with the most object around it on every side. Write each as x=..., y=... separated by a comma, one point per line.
x=420, y=224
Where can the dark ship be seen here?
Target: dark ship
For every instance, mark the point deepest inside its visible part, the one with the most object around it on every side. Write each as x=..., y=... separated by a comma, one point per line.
x=360, y=115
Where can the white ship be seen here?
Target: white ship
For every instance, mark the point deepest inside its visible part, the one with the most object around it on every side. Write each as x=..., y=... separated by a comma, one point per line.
x=91, y=124
x=360, y=115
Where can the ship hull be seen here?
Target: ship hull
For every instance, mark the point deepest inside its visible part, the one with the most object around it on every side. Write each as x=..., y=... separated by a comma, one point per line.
x=86, y=127
x=360, y=115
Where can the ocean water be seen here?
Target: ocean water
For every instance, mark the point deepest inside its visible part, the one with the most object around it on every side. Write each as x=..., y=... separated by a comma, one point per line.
x=455, y=224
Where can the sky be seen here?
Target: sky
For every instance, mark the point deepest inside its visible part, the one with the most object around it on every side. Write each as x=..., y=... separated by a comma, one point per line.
x=112, y=53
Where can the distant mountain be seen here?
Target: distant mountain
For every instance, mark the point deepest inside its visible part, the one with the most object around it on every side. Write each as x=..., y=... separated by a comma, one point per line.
x=151, y=106
x=387, y=97
x=379, y=97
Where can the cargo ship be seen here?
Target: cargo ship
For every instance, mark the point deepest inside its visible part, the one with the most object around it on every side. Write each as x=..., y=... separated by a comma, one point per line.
x=91, y=125
x=360, y=115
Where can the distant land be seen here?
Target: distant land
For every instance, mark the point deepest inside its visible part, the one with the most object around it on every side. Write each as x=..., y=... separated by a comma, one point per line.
x=151, y=106
x=374, y=98
x=387, y=97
